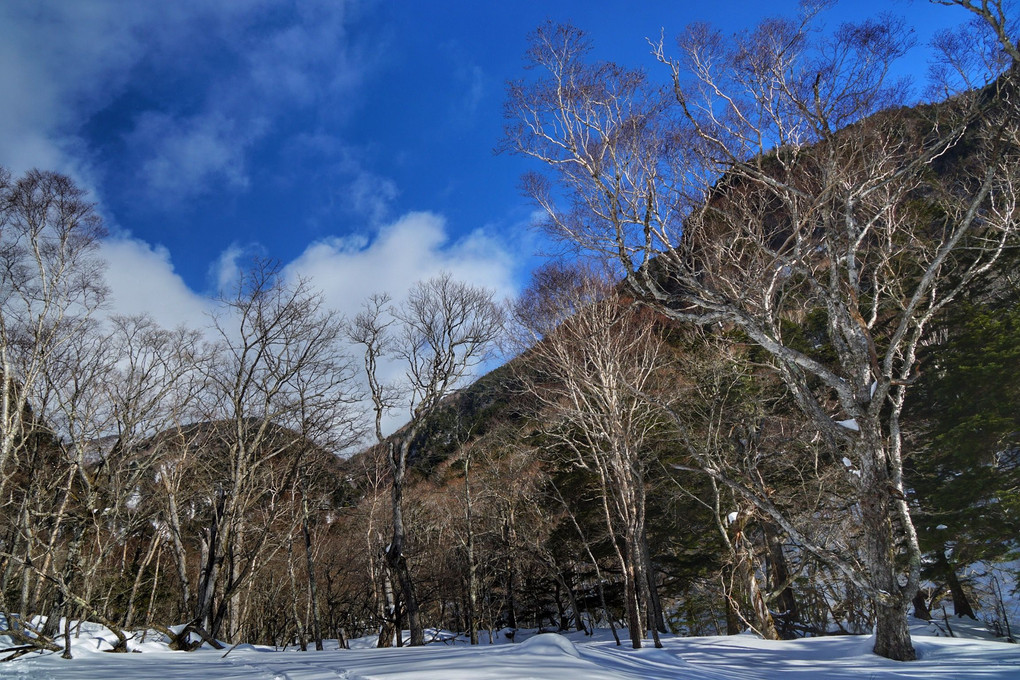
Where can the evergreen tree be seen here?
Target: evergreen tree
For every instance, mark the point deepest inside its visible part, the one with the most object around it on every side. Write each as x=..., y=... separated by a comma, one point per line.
x=964, y=471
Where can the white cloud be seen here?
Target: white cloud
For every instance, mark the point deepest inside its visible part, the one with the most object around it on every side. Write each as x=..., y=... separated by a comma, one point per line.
x=68, y=65
x=225, y=271
x=347, y=270
x=142, y=281
x=415, y=247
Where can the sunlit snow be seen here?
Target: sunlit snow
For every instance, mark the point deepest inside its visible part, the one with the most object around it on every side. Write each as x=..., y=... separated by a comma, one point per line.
x=539, y=657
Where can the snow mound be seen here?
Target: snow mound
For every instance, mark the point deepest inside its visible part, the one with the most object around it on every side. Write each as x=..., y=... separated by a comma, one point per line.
x=550, y=644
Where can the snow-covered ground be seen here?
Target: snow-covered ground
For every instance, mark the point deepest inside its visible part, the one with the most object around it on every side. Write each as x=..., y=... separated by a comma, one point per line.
x=545, y=656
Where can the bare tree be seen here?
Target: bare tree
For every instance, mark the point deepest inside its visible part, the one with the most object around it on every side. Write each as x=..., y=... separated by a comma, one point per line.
x=279, y=385
x=755, y=189
x=50, y=285
x=103, y=392
x=592, y=358
x=440, y=333
x=515, y=522
x=734, y=417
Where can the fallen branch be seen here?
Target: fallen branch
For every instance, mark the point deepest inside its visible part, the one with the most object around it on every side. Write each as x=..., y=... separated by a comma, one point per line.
x=18, y=651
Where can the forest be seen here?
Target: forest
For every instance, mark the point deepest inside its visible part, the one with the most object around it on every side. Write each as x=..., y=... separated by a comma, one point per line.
x=771, y=387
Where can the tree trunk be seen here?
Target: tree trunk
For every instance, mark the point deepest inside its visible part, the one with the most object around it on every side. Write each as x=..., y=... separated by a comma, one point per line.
x=388, y=629
x=762, y=615
x=575, y=611
x=598, y=575
x=921, y=610
x=734, y=624
x=561, y=611
x=511, y=600
x=395, y=558
x=892, y=635
x=961, y=603
x=746, y=603
x=55, y=532
x=779, y=579
x=207, y=578
x=129, y=614
x=472, y=599
x=180, y=554
x=302, y=640
x=655, y=603
x=313, y=589
x=633, y=610
x=643, y=591
x=631, y=607
x=67, y=637
x=398, y=617
x=152, y=593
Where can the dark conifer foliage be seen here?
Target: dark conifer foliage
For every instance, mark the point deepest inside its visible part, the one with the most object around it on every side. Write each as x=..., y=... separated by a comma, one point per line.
x=964, y=464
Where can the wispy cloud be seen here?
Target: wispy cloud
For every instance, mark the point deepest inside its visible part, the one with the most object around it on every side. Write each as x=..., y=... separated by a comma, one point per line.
x=191, y=155
x=237, y=69
x=471, y=80
x=62, y=61
x=347, y=185
x=370, y=195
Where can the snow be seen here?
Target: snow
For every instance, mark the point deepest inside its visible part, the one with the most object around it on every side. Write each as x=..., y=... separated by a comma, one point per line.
x=546, y=656
x=850, y=424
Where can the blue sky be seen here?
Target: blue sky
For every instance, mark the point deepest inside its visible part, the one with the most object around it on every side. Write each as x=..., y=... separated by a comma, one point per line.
x=351, y=140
